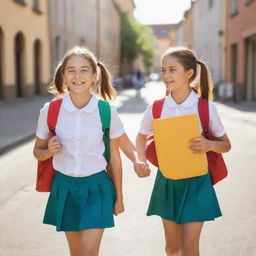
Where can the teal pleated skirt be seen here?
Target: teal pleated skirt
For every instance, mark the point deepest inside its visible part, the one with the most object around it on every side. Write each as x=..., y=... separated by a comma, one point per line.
x=78, y=203
x=185, y=200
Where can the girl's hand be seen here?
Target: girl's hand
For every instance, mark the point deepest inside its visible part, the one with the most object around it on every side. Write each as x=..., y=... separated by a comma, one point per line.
x=118, y=207
x=54, y=145
x=142, y=169
x=200, y=145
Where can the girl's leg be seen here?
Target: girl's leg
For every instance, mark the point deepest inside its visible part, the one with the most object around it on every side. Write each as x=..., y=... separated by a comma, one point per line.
x=172, y=233
x=90, y=242
x=190, y=238
x=74, y=239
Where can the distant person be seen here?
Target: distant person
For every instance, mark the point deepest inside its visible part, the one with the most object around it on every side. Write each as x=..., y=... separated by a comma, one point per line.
x=140, y=79
x=185, y=204
x=83, y=198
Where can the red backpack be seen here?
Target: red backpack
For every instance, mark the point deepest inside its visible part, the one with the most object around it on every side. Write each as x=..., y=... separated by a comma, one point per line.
x=216, y=164
x=45, y=170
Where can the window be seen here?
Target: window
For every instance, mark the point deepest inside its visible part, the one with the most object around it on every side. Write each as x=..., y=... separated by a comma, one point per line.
x=22, y=2
x=36, y=6
x=234, y=7
x=248, y=1
x=210, y=3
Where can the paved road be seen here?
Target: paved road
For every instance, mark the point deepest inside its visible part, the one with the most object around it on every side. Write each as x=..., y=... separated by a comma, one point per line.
x=21, y=208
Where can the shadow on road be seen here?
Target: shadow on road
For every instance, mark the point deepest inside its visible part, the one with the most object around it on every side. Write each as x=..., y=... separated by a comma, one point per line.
x=132, y=103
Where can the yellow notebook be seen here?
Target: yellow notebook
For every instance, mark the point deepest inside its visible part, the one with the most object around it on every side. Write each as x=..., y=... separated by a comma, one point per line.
x=176, y=160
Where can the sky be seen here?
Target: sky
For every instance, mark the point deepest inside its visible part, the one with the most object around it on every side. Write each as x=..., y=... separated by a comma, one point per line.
x=160, y=11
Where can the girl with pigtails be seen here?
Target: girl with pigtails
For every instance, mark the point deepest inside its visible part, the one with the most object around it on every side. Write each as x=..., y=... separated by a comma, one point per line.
x=83, y=198
x=184, y=204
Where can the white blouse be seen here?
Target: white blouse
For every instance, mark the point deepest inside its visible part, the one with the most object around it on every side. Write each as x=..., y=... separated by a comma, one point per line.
x=81, y=137
x=189, y=106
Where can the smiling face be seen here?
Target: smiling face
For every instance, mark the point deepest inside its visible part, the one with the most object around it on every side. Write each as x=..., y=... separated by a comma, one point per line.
x=173, y=74
x=78, y=75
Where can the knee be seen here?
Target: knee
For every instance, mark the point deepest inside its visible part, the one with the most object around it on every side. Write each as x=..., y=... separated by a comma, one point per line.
x=88, y=251
x=190, y=247
x=172, y=250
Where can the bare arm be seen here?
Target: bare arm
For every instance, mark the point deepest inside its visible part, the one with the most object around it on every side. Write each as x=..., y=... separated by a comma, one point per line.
x=203, y=145
x=44, y=149
x=116, y=168
x=141, y=168
x=127, y=147
x=141, y=141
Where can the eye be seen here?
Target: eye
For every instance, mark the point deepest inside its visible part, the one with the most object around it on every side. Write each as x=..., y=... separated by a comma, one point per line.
x=162, y=70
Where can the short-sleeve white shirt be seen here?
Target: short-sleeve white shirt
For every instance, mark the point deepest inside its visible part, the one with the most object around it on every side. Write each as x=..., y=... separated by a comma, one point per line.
x=189, y=106
x=81, y=137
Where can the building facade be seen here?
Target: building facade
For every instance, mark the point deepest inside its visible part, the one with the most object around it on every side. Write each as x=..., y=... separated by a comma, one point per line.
x=164, y=38
x=24, y=49
x=241, y=48
x=209, y=35
x=71, y=23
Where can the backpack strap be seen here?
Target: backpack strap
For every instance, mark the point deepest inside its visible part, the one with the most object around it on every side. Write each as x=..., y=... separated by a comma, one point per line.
x=52, y=116
x=105, y=117
x=203, y=110
x=157, y=108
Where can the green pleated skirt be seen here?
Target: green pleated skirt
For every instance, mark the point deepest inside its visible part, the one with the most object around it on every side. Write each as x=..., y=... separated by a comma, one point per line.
x=185, y=200
x=78, y=203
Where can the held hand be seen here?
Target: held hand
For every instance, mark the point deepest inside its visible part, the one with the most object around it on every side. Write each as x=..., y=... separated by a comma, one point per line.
x=200, y=145
x=118, y=207
x=142, y=169
x=54, y=145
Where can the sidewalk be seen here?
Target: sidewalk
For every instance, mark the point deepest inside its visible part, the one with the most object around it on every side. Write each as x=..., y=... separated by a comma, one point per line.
x=19, y=120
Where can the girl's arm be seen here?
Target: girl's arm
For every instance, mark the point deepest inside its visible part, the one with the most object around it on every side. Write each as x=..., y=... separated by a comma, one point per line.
x=127, y=147
x=141, y=141
x=141, y=168
x=116, y=168
x=202, y=145
x=44, y=149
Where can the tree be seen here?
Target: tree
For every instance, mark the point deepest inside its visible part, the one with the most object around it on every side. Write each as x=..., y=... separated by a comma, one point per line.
x=136, y=39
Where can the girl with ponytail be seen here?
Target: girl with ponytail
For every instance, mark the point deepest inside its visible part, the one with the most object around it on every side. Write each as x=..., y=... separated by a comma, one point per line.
x=184, y=204
x=83, y=199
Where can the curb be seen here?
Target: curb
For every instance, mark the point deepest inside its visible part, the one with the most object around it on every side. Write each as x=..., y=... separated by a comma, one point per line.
x=7, y=147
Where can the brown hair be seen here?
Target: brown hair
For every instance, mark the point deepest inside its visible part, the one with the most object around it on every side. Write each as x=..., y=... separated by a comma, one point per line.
x=187, y=59
x=103, y=86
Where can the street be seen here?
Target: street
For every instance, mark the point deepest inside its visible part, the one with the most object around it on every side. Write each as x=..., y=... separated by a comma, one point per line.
x=21, y=207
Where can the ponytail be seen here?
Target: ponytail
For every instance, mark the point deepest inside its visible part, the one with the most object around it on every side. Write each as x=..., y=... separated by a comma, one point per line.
x=205, y=89
x=56, y=86
x=105, y=88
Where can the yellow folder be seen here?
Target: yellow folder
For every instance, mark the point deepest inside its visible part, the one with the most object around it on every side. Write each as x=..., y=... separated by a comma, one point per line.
x=176, y=160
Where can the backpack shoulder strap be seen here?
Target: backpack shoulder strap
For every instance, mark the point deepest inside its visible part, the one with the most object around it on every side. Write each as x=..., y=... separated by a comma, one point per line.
x=53, y=113
x=157, y=108
x=105, y=113
x=105, y=117
x=203, y=110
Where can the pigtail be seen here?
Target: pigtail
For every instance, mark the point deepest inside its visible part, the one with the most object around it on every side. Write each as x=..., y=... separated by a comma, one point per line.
x=56, y=86
x=205, y=88
x=105, y=88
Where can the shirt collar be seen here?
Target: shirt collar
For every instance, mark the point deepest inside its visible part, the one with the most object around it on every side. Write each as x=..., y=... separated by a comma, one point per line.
x=189, y=101
x=70, y=107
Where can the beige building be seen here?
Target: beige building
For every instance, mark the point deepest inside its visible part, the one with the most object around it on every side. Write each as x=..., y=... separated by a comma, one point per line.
x=71, y=23
x=24, y=48
x=164, y=38
x=109, y=41
x=88, y=23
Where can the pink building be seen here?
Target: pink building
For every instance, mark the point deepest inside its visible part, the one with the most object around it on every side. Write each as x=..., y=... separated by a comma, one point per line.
x=241, y=48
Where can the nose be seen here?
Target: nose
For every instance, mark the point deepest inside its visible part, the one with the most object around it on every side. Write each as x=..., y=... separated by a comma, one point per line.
x=165, y=75
x=77, y=74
